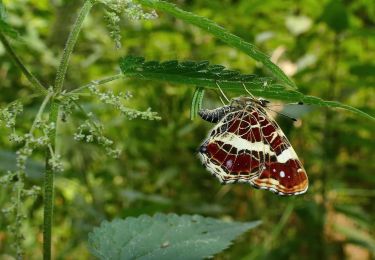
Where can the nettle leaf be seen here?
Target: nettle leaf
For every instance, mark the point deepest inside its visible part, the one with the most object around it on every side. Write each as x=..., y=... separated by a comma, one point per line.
x=192, y=72
x=164, y=237
x=222, y=34
x=213, y=76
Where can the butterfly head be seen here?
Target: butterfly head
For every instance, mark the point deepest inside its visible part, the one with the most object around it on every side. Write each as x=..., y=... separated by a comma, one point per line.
x=245, y=102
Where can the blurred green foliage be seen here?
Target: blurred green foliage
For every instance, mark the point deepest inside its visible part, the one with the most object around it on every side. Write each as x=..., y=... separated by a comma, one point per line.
x=328, y=47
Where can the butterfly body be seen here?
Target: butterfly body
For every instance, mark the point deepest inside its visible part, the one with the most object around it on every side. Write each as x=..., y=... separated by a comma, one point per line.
x=248, y=146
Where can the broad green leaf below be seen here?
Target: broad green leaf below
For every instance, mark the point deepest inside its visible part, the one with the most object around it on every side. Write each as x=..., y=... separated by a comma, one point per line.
x=164, y=237
x=213, y=76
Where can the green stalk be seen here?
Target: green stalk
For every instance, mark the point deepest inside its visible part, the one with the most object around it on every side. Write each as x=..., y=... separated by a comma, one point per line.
x=40, y=111
x=33, y=80
x=69, y=46
x=48, y=186
x=53, y=118
x=19, y=236
x=261, y=252
x=98, y=82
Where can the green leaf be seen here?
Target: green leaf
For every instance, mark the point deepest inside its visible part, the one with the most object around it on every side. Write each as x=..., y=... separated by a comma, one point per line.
x=364, y=70
x=191, y=72
x=4, y=26
x=211, y=76
x=335, y=16
x=356, y=213
x=164, y=237
x=219, y=32
x=2, y=11
x=356, y=236
x=196, y=103
x=334, y=104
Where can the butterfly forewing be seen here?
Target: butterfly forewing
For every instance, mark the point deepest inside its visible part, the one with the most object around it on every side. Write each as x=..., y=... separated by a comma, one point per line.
x=247, y=145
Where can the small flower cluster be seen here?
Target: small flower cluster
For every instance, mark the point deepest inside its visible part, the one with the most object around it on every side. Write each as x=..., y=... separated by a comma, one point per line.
x=56, y=163
x=7, y=178
x=113, y=26
x=116, y=8
x=117, y=101
x=91, y=132
x=130, y=9
x=15, y=179
x=37, y=137
x=135, y=12
x=32, y=192
x=8, y=115
x=31, y=142
x=67, y=104
x=14, y=210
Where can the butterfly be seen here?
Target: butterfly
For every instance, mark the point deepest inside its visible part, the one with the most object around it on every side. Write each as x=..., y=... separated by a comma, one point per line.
x=247, y=145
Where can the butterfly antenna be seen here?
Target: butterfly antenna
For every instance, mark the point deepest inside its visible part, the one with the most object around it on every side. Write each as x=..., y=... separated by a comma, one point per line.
x=222, y=92
x=219, y=96
x=282, y=114
x=222, y=101
x=279, y=105
x=244, y=86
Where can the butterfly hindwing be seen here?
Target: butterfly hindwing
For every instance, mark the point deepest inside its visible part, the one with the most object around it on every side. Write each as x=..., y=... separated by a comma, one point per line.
x=226, y=155
x=283, y=173
x=247, y=145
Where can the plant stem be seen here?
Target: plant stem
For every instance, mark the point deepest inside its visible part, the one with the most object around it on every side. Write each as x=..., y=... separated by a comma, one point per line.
x=330, y=144
x=98, y=82
x=72, y=39
x=19, y=216
x=33, y=80
x=53, y=116
x=261, y=253
x=48, y=186
x=40, y=111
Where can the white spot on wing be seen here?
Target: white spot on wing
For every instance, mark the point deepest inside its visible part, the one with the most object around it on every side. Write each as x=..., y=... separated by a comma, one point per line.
x=223, y=177
x=282, y=174
x=229, y=164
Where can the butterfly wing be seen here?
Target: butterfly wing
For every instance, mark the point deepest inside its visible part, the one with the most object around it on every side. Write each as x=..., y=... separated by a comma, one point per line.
x=282, y=172
x=233, y=152
x=248, y=146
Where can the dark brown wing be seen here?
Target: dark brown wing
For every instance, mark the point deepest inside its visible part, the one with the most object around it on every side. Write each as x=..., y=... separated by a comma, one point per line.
x=283, y=172
x=234, y=151
x=249, y=146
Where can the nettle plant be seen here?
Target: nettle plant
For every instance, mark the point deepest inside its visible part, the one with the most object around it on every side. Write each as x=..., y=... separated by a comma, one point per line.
x=167, y=236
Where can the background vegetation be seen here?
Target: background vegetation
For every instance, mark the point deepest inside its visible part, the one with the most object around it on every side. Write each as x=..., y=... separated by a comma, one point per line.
x=327, y=47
